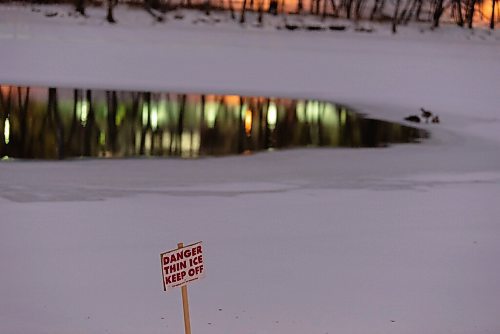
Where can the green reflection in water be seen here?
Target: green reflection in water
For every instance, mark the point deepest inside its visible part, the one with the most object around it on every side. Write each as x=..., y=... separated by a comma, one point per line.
x=50, y=123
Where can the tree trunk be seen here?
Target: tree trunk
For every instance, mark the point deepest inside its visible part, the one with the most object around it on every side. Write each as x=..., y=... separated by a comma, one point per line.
x=357, y=9
x=395, y=16
x=231, y=10
x=438, y=11
x=207, y=7
x=243, y=8
x=410, y=12
x=334, y=8
x=381, y=8
x=80, y=7
x=109, y=17
x=492, y=19
x=470, y=13
x=148, y=6
x=405, y=11
x=348, y=7
x=374, y=9
x=419, y=10
x=300, y=6
x=460, y=19
x=261, y=12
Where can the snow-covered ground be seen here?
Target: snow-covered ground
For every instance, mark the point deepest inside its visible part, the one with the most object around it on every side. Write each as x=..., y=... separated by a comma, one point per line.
x=398, y=240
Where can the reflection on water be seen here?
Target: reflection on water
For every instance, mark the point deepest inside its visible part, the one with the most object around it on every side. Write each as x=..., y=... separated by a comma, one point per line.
x=52, y=123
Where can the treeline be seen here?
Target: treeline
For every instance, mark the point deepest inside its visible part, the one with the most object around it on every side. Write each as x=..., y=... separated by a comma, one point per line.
x=465, y=13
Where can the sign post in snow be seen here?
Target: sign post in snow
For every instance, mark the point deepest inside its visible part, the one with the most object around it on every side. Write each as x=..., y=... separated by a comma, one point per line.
x=179, y=267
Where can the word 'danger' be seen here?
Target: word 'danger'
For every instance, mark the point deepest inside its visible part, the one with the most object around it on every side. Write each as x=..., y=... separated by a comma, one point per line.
x=182, y=265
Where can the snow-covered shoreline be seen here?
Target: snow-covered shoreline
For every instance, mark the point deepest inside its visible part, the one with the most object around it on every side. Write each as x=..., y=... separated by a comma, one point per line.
x=451, y=71
x=397, y=240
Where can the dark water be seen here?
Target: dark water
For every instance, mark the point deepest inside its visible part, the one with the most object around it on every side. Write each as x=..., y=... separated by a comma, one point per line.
x=53, y=123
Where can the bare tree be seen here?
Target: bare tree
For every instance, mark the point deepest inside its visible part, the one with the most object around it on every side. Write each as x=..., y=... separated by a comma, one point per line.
x=438, y=11
x=419, y=10
x=375, y=7
x=405, y=15
x=231, y=10
x=80, y=7
x=273, y=6
x=348, y=7
x=243, y=9
x=395, y=17
x=335, y=9
x=358, y=9
x=457, y=10
x=111, y=4
x=149, y=5
x=208, y=7
x=325, y=6
x=261, y=12
x=410, y=11
x=470, y=13
x=492, y=19
x=300, y=6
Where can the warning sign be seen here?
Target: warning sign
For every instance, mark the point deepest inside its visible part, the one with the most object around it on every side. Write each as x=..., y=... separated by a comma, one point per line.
x=182, y=265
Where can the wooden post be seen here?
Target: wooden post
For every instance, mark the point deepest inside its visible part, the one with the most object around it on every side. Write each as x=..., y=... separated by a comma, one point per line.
x=185, y=302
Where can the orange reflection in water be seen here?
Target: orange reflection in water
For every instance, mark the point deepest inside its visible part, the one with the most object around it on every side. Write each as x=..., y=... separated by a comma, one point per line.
x=232, y=100
x=5, y=89
x=248, y=122
x=37, y=92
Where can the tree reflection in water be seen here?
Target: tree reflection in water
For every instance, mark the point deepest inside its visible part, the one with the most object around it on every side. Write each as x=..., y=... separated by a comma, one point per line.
x=41, y=123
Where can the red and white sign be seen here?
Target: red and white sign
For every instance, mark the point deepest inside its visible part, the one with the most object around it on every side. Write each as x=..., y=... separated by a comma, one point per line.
x=182, y=265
